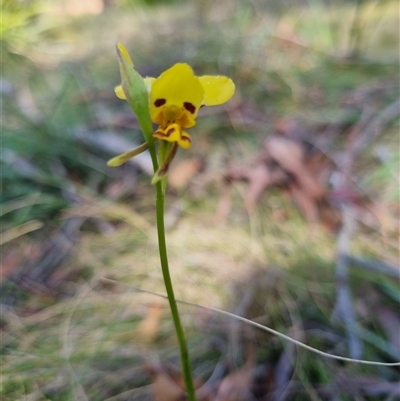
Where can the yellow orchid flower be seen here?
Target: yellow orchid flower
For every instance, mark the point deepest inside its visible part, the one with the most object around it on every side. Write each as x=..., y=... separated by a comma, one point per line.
x=172, y=101
x=176, y=96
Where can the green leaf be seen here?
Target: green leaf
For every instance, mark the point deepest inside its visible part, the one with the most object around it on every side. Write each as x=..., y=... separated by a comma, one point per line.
x=124, y=157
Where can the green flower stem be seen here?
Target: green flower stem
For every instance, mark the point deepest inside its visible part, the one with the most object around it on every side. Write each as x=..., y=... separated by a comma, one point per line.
x=162, y=249
x=162, y=246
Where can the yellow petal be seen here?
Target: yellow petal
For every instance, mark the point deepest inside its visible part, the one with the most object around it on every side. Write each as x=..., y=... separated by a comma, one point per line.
x=171, y=134
x=185, y=141
x=177, y=86
x=217, y=90
x=120, y=92
x=187, y=120
x=125, y=53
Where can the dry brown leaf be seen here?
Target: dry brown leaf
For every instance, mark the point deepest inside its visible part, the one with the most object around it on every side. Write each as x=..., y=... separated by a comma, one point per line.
x=224, y=205
x=10, y=261
x=164, y=388
x=260, y=178
x=169, y=385
x=305, y=202
x=281, y=161
x=287, y=153
x=149, y=327
x=202, y=392
x=235, y=386
x=181, y=173
x=290, y=156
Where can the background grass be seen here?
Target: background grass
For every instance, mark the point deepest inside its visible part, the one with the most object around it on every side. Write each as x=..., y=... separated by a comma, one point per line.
x=69, y=220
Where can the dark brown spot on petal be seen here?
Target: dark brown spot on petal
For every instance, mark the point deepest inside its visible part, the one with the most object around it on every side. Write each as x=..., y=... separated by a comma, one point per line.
x=159, y=133
x=159, y=102
x=189, y=107
x=170, y=131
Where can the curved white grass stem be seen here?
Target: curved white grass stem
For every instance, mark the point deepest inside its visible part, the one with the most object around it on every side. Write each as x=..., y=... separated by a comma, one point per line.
x=260, y=326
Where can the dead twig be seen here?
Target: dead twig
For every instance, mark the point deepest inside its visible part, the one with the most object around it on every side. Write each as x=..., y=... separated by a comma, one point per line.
x=343, y=309
x=284, y=374
x=364, y=132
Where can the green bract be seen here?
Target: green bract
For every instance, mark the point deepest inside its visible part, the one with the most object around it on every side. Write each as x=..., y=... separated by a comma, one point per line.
x=137, y=97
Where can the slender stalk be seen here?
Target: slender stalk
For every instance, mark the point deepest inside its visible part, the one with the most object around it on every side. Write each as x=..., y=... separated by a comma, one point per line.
x=162, y=248
x=185, y=361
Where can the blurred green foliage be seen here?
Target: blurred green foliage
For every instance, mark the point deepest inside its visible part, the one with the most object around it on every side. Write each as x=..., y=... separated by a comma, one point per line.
x=17, y=17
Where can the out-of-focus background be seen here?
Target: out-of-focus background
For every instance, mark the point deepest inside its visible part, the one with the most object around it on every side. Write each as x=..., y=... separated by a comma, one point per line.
x=284, y=211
